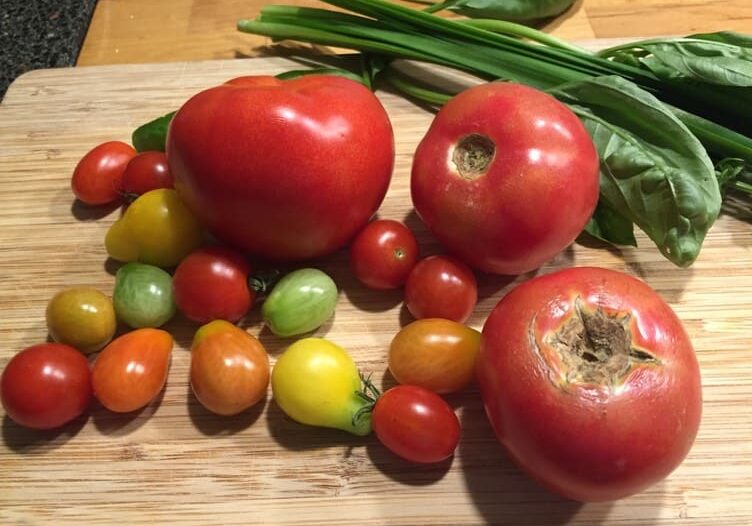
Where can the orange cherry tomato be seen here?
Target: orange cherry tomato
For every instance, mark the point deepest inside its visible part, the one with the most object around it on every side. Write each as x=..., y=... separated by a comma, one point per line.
x=435, y=354
x=132, y=370
x=229, y=368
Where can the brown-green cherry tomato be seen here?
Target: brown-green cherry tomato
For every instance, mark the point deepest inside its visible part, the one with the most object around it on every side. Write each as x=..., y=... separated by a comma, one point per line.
x=82, y=317
x=434, y=353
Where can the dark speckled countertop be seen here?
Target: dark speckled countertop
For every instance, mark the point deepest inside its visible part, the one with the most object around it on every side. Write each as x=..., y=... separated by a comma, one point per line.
x=38, y=34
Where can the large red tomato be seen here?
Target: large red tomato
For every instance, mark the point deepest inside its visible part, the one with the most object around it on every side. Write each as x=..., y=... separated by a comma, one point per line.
x=590, y=383
x=505, y=178
x=287, y=170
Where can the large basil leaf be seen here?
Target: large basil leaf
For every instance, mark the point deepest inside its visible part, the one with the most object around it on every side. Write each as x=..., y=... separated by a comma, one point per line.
x=515, y=10
x=711, y=62
x=610, y=226
x=654, y=172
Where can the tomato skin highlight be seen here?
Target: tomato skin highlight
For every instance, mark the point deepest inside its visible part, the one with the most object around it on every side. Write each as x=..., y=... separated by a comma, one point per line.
x=212, y=283
x=416, y=424
x=383, y=254
x=533, y=197
x=283, y=169
x=441, y=287
x=132, y=370
x=434, y=353
x=588, y=439
x=229, y=368
x=98, y=176
x=46, y=386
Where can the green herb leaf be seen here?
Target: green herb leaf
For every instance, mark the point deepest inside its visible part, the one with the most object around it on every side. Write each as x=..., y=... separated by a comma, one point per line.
x=654, y=172
x=610, y=226
x=728, y=37
x=152, y=135
x=705, y=61
x=517, y=10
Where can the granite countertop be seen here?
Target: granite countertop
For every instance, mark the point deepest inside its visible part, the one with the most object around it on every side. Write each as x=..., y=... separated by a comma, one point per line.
x=38, y=34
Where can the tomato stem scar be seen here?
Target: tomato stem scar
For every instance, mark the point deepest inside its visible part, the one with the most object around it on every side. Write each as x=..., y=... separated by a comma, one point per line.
x=473, y=154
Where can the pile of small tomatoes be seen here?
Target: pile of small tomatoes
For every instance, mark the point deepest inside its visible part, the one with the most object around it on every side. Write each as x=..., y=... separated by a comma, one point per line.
x=587, y=376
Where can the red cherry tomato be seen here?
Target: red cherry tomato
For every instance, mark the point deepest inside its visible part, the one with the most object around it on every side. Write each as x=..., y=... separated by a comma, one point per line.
x=98, y=177
x=147, y=171
x=505, y=178
x=416, y=424
x=441, y=287
x=212, y=284
x=590, y=383
x=132, y=370
x=383, y=254
x=46, y=386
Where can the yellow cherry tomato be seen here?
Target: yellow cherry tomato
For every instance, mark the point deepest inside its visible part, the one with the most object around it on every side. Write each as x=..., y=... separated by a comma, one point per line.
x=157, y=229
x=81, y=317
x=315, y=383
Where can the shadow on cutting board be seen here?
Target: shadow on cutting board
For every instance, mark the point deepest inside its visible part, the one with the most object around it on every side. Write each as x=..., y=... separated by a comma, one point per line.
x=34, y=441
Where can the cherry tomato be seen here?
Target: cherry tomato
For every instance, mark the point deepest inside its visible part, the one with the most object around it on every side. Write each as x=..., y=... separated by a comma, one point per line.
x=434, y=353
x=505, y=178
x=46, y=386
x=590, y=382
x=441, y=287
x=145, y=172
x=156, y=229
x=98, y=176
x=212, y=283
x=229, y=368
x=301, y=302
x=416, y=424
x=132, y=370
x=383, y=254
x=81, y=317
x=143, y=295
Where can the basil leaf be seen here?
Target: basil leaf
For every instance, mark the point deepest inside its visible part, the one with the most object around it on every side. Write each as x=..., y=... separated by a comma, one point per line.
x=152, y=135
x=610, y=226
x=654, y=172
x=705, y=61
x=728, y=37
x=515, y=10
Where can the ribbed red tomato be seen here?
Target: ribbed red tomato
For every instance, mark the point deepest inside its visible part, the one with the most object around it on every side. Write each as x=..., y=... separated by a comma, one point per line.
x=506, y=177
x=286, y=170
x=590, y=382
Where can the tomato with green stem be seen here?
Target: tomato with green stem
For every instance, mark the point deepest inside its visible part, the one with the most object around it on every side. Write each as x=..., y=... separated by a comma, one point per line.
x=383, y=254
x=46, y=386
x=416, y=424
x=212, y=283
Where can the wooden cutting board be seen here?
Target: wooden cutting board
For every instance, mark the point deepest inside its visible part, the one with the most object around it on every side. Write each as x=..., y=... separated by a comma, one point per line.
x=175, y=463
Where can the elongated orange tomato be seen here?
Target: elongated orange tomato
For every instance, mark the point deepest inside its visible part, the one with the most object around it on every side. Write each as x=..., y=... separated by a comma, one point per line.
x=132, y=370
x=229, y=368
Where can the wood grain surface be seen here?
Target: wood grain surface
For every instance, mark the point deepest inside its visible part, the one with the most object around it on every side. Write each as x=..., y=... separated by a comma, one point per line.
x=138, y=31
x=174, y=463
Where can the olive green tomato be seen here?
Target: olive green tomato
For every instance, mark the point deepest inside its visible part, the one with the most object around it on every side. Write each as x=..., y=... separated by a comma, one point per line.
x=300, y=302
x=315, y=382
x=143, y=295
x=81, y=317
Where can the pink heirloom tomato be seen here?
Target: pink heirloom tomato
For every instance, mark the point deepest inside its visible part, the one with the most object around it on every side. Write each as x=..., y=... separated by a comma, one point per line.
x=590, y=382
x=506, y=177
